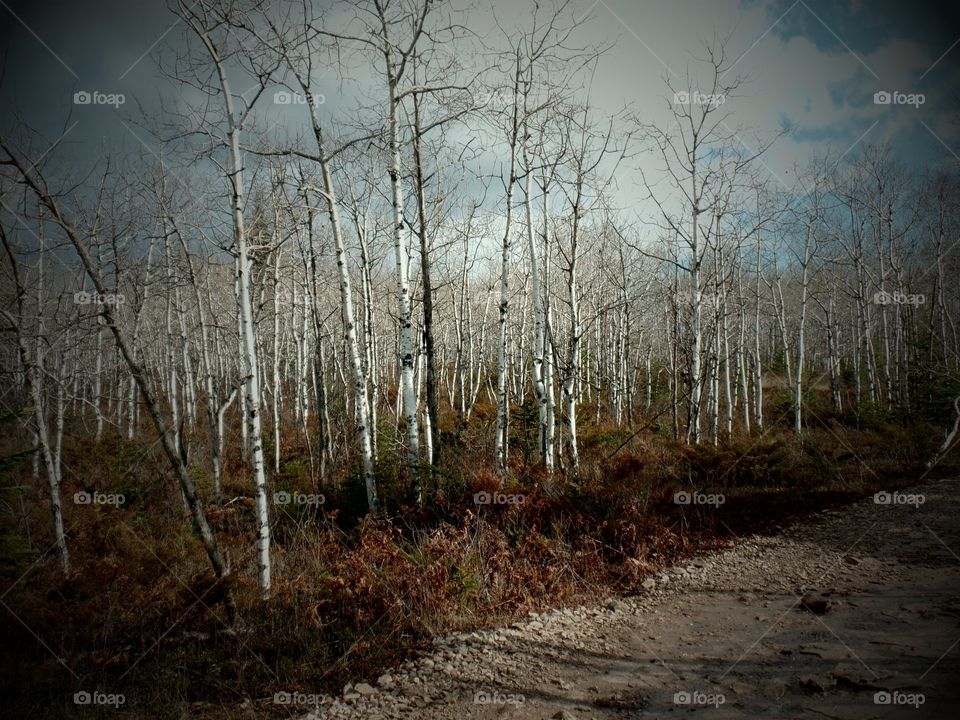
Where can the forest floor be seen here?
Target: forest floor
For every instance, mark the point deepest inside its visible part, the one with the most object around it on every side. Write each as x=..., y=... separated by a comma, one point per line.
x=851, y=613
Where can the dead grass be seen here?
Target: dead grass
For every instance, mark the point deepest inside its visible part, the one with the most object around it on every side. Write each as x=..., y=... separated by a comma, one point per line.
x=354, y=595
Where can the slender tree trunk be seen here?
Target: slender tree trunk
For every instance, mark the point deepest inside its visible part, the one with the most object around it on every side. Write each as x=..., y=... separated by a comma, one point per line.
x=540, y=351
x=433, y=403
x=501, y=448
x=408, y=394
x=804, y=288
x=276, y=359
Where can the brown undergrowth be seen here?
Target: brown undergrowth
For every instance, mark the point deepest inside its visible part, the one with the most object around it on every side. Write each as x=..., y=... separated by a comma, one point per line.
x=353, y=595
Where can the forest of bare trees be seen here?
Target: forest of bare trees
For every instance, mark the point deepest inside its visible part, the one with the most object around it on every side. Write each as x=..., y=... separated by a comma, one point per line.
x=463, y=278
x=358, y=284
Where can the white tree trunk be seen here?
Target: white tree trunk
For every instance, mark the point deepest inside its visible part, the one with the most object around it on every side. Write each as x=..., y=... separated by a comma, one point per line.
x=540, y=359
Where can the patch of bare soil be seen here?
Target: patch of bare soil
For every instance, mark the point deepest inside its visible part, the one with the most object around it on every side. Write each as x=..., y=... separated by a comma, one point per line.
x=854, y=613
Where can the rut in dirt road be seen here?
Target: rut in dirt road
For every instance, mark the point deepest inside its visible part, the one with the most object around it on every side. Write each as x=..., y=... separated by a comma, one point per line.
x=854, y=613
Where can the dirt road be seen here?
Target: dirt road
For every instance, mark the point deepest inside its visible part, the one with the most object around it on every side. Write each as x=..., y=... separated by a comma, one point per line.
x=854, y=613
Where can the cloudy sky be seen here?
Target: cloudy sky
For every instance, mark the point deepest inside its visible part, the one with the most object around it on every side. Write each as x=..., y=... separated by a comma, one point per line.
x=815, y=65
